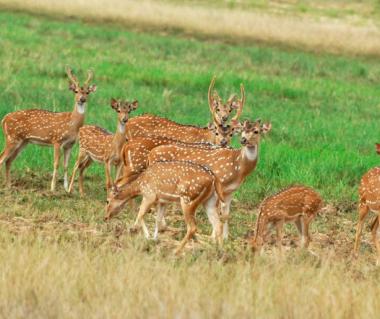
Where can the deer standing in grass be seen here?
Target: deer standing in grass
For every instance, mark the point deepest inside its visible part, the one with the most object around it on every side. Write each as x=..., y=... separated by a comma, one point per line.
x=369, y=200
x=298, y=204
x=151, y=125
x=59, y=129
x=97, y=144
x=231, y=166
x=187, y=183
x=135, y=152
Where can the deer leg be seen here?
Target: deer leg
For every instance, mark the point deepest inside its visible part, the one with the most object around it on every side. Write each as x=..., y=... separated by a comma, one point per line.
x=57, y=155
x=363, y=211
x=107, y=167
x=375, y=231
x=225, y=211
x=211, y=206
x=189, y=213
x=66, y=158
x=160, y=220
x=8, y=155
x=279, y=233
x=80, y=161
x=146, y=205
x=82, y=168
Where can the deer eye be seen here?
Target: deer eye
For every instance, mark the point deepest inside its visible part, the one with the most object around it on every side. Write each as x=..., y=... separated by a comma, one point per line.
x=216, y=133
x=231, y=135
x=107, y=201
x=218, y=110
x=256, y=132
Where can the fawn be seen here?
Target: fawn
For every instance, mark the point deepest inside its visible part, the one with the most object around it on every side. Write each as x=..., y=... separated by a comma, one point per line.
x=231, y=166
x=46, y=128
x=187, y=183
x=298, y=204
x=369, y=200
x=97, y=144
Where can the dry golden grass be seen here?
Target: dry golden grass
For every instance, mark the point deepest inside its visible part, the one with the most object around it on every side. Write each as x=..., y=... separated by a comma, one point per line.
x=311, y=33
x=62, y=261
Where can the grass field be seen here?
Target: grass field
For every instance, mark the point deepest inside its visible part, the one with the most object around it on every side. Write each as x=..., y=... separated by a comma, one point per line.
x=59, y=259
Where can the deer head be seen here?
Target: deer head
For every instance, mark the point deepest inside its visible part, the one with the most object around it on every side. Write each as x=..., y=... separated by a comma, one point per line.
x=81, y=92
x=221, y=111
x=251, y=132
x=113, y=206
x=123, y=108
x=224, y=133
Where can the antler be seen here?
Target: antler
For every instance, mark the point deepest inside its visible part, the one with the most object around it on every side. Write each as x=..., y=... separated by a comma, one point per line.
x=210, y=98
x=241, y=103
x=71, y=76
x=90, y=75
x=231, y=98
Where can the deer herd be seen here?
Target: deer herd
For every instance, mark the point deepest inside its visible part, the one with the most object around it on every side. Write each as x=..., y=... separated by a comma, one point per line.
x=163, y=162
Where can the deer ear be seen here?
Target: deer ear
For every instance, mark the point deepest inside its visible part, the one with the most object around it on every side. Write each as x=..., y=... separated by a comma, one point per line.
x=266, y=127
x=134, y=105
x=211, y=126
x=72, y=87
x=92, y=88
x=246, y=124
x=115, y=104
x=236, y=126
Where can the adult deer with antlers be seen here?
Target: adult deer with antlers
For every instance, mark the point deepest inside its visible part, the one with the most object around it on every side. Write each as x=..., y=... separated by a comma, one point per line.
x=46, y=128
x=97, y=144
x=187, y=183
x=151, y=125
x=231, y=166
x=298, y=204
x=222, y=111
x=369, y=200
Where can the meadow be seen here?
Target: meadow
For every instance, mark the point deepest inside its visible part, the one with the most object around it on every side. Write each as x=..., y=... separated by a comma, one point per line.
x=60, y=260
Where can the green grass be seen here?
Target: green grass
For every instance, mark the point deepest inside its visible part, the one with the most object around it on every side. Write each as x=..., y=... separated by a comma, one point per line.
x=324, y=108
x=60, y=260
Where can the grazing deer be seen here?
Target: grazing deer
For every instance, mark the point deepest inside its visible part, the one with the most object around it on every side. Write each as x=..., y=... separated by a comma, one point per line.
x=187, y=183
x=369, y=200
x=97, y=144
x=151, y=125
x=46, y=128
x=231, y=166
x=298, y=204
x=135, y=152
x=221, y=111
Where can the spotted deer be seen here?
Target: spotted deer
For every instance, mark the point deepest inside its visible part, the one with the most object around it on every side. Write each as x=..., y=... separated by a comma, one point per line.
x=152, y=125
x=369, y=200
x=231, y=166
x=187, y=183
x=42, y=127
x=97, y=144
x=135, y=152
x=298, y=204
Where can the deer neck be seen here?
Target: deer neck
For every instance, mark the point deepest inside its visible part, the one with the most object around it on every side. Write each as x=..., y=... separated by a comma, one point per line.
x=248, y=160
x=77, y=115
x=119, y=137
